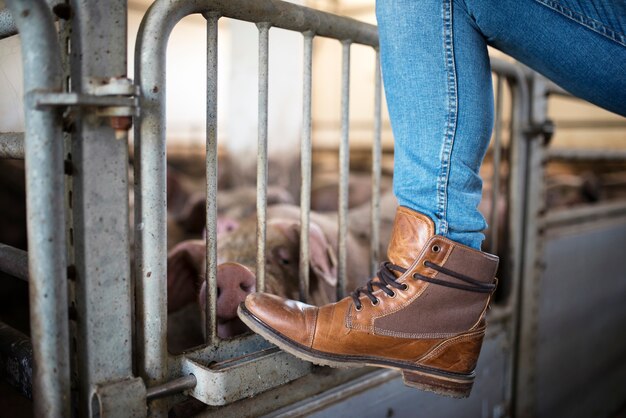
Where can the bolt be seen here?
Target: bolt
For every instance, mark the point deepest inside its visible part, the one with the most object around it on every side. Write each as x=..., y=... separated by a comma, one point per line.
x=121, y=124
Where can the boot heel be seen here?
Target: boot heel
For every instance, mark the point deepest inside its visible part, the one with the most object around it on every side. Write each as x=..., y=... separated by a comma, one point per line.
x=456, y=388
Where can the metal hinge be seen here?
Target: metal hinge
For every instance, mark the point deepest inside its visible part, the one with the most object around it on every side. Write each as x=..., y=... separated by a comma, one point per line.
x=114, y=98
x=544, y=129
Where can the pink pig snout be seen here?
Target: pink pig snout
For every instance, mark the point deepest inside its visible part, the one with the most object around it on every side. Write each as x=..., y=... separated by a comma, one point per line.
x=234, y=283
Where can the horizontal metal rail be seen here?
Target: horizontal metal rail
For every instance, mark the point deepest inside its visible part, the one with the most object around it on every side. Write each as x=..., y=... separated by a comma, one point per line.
x=570, y=154
x=14, y=261
x=12, y=145
x=593, y=212
x=16, y=359
x=172, y=387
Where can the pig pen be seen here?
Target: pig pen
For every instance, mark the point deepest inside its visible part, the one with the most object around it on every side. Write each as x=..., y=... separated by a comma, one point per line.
x=97, y=332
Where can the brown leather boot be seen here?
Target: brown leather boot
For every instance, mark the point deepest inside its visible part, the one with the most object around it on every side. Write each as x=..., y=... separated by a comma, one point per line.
x=424, y=313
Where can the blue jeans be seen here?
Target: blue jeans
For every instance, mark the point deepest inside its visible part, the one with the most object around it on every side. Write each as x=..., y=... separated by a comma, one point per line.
x=437, y=81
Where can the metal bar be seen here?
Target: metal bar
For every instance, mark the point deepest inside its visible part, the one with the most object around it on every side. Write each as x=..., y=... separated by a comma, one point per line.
x=14, y=261
x=518, y=169
x=103, y=288
x=45, y=211
x=569, y=216
x=7, y=25
x=211, y=181
x=16, y=359
x=586, y=154
x=87, y=100
x=497, y=151
x=150, y=208
x=344, y=170
x=376, y=171
x=12, y=145
x=305, y=167
x=172, y=387
x=261, y=165
x=525, y=395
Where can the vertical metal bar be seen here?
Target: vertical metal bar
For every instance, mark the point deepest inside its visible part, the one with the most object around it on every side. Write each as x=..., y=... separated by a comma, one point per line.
x=45, y=211
x=261, y=167
x=305, y=167
x=344, y=169
x=525, y=396
x=497, y=151
x=103, y=288
x=211, y=180
x=376, y=171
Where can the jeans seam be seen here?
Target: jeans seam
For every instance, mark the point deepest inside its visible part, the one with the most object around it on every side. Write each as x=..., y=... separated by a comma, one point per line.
x=451, y=122
x=586, y=21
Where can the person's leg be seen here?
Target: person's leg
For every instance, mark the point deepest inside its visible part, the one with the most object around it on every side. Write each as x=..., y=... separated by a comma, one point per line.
x=580, y=45
x=438, y=87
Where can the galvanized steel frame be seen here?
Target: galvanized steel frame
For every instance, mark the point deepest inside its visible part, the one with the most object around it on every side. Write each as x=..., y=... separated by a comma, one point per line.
x=155, y=364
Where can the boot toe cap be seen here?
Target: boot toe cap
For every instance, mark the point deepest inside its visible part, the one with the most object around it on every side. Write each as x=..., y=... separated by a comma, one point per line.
x=287, y=318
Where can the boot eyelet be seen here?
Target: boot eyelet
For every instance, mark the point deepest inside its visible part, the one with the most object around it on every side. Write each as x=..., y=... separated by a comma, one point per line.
x=356, y=308
x=436, y=248
x=375, y=304
x=392, y=295
x=404, y=287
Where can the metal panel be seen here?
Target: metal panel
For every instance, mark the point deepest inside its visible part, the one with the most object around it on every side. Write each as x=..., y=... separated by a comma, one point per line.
x=100, y=204
x=45, y=210
x=581, y=321
x=383, y=394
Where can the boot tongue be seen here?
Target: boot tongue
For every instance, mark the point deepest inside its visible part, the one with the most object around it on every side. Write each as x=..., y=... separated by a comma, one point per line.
x=410, y=232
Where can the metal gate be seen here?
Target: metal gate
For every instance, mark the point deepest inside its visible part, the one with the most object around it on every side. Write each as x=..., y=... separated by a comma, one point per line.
x=110, y=358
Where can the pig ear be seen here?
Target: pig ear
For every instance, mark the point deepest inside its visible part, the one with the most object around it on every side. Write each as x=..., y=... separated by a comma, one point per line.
x=323, y=262
x=192, y=216
x=184, y=270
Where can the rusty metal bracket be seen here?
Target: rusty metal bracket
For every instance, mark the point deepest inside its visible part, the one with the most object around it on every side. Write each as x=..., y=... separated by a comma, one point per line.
x=126, y=398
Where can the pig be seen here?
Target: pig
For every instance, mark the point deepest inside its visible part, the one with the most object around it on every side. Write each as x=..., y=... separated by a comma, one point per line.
x=237, y=265
x=186, y=209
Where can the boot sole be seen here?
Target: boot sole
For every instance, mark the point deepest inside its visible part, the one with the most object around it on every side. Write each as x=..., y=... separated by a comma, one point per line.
x=456, y=385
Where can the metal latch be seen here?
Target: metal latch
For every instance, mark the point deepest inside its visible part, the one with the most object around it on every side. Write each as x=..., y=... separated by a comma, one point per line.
x=114, y=98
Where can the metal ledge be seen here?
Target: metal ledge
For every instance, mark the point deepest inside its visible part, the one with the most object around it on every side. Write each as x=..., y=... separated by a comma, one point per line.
x=243, y=377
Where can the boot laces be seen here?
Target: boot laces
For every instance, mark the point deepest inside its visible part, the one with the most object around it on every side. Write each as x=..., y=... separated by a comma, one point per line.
x=387, y=278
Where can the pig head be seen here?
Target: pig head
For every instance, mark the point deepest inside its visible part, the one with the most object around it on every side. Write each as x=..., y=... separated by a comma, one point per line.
x=237, y=264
